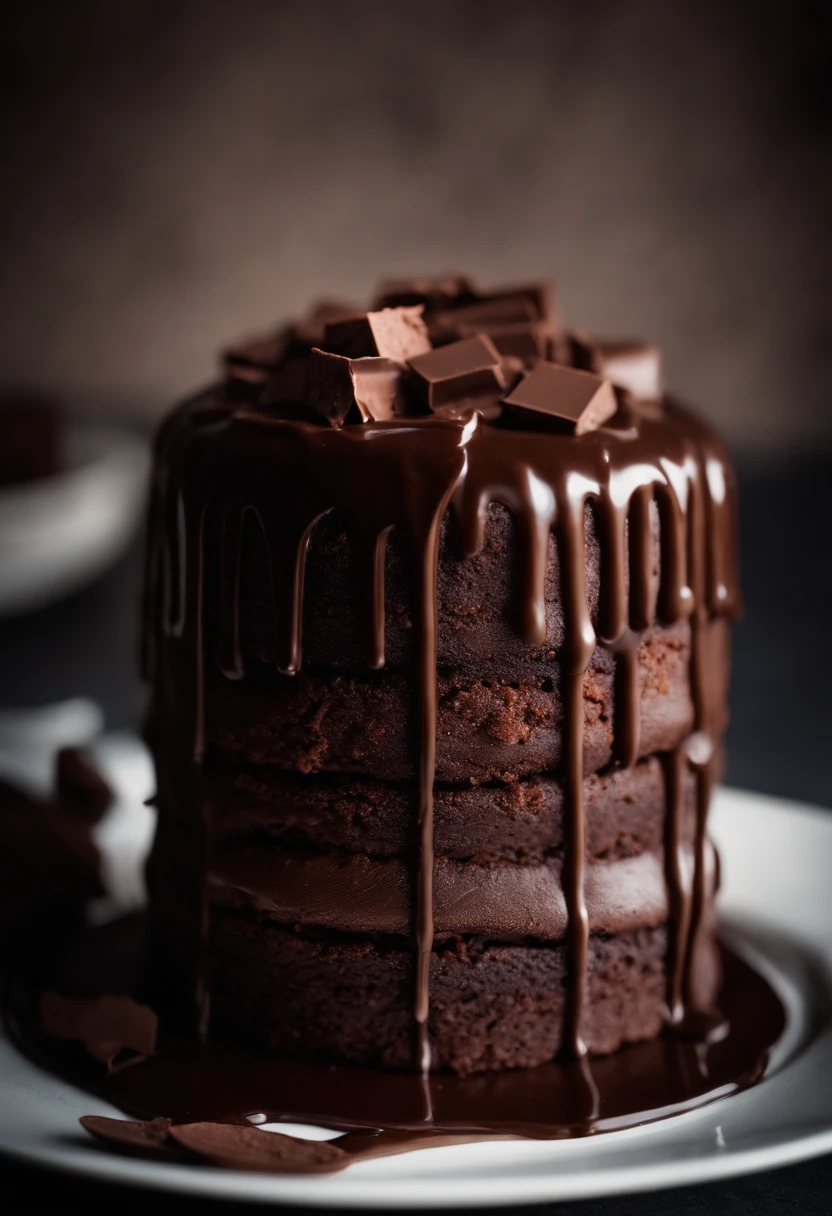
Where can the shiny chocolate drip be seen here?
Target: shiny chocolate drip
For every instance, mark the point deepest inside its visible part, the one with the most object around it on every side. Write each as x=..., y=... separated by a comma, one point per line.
x=214, y=469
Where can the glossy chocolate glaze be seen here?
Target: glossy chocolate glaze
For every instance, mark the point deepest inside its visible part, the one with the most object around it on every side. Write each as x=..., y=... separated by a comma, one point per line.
x=218, y=461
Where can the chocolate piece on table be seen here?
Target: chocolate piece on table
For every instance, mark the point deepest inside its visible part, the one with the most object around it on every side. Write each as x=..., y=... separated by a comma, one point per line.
x=336, y=385
x=238, y=1147
x=634, y=366
x=115, y=1030
x=465, y=372
x=137, y=1138
x=79, y=785
x=391, y=333
x=577, y=399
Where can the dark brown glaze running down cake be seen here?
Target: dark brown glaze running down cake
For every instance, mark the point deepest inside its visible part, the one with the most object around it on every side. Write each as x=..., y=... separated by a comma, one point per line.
x=437, y=639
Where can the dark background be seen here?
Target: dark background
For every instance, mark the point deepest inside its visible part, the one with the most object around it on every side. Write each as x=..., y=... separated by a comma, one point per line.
x=177, y=173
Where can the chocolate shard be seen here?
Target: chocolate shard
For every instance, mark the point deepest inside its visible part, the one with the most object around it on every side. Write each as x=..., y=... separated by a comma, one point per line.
x=464, y=373
x=134, y=1137
x=237, y=1147
x=370, y=388
x=578, y=400
x=115, y=1030
x=436, y=292
x=79, y=785
x=391, y=333
x=632, y=365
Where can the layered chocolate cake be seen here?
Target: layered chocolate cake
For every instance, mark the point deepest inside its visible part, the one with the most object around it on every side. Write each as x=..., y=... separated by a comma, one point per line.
x=436, y=633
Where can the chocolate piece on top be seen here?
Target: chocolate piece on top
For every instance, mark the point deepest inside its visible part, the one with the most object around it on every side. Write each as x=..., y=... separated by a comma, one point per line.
x=336, y=385
x=579, y=400
x=525, y=339
x=465, y=372
x=630, y=365
x=115, y=1030
x=436, y=292
x=79, y=785
x=391, y=333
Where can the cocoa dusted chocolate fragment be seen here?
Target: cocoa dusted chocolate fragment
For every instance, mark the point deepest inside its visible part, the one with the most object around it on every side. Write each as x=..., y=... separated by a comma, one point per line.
x=578, y=400
x=136, y=1138
x=237, y=1147
x=464, y=373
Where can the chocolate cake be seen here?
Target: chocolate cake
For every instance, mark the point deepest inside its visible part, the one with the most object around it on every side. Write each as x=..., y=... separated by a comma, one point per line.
x=436, y=633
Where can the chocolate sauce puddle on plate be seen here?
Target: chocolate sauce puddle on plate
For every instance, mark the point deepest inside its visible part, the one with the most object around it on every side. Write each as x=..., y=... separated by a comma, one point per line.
x=380, y=1114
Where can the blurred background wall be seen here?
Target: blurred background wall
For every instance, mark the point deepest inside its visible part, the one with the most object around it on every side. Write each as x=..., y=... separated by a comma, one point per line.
x=178, y=172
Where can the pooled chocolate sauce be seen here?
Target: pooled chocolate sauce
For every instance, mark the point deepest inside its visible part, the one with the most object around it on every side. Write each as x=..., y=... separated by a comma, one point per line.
x=380, y=1113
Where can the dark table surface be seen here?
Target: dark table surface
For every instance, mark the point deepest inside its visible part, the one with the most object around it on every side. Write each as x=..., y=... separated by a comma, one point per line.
x=778, y=743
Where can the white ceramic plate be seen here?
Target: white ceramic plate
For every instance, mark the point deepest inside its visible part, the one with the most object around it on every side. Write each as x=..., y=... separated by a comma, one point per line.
x=777, y=906
x=58, y=533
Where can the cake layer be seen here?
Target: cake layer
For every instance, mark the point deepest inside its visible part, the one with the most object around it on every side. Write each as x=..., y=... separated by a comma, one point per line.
x=478, y=625
x=491, y=1006
x=487, y=730
x=502, y=902
x=624, y=814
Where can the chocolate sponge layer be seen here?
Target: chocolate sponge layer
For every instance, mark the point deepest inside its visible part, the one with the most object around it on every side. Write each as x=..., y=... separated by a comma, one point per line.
x=492, y=1006
x=488, y=730
x=624, y=812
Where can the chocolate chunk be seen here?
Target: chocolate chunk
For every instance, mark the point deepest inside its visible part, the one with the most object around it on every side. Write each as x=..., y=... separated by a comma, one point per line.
x=79, y=785
x=392, y=333
x=432, y=292
x=633, y=366
x=578, y=400
x=136, y=1138
x=258, y=360
x=528, y=340
x=237, y=1147
x=494, y=311
x=368, y=387
x=466, y=372
x=115, y=1030
x=309, y=331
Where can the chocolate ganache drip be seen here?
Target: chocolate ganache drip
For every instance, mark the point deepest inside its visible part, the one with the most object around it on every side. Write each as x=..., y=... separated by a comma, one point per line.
x=446, y=399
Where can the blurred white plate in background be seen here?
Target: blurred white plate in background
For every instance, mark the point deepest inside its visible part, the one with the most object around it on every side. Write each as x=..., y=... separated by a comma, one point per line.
x=59, y=533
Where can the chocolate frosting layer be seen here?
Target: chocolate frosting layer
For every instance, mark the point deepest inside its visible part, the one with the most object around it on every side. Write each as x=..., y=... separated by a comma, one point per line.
x=505, y=902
